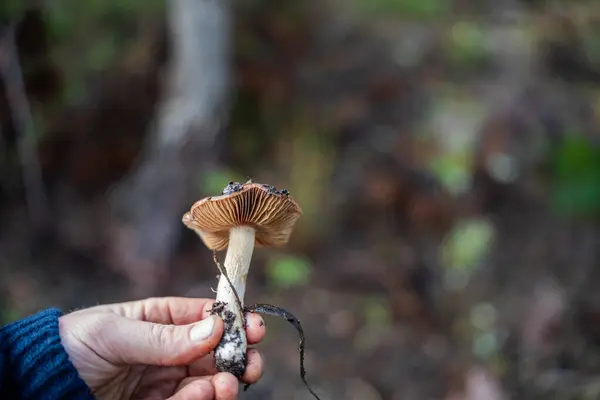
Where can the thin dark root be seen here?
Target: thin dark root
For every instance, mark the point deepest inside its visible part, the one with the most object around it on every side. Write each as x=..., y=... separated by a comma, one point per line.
x=269, y=309
x=223, y=272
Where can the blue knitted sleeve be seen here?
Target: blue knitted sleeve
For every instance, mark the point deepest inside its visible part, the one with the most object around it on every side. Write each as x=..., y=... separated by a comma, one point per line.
x=34, y=364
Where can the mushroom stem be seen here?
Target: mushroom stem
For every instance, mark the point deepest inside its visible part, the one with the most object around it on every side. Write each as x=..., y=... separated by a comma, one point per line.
x=230, y=354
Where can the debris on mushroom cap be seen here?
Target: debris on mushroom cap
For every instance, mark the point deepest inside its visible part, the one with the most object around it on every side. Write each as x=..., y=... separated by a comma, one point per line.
x=232, y=187
x=272, y=213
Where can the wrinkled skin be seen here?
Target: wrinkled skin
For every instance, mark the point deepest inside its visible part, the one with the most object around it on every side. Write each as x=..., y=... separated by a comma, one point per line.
x=145, y=350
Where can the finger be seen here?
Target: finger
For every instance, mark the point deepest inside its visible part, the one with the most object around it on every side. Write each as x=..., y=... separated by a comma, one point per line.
x=203, y=366
x=160, y=382
x=198, y=389
x=163, y=310
x=127, y=341
x=255, y=328
x=226, y=386
x=186, y=381
x=254, y=366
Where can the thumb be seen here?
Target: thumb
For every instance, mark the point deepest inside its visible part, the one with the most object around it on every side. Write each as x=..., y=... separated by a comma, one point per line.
x=140, y=342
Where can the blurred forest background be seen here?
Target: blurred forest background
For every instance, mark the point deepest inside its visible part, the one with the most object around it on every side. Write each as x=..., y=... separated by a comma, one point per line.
x=445, y=152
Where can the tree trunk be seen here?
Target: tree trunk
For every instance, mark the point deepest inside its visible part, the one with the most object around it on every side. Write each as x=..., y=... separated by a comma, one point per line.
x=148, y=205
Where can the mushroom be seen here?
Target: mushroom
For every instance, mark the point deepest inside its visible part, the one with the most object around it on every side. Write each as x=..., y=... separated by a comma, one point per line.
x=242, y=217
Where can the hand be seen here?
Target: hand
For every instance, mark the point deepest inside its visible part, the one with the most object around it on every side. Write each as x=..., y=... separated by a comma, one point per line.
x=155, y=349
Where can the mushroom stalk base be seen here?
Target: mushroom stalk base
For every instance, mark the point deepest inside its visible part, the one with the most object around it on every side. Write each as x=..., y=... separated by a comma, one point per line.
x=230, y=354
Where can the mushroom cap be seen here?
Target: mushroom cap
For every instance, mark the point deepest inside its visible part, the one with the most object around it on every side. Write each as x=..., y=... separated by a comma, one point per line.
x=270, y=212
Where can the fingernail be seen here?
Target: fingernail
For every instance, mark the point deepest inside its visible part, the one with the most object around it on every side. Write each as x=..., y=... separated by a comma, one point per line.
x=203, y=329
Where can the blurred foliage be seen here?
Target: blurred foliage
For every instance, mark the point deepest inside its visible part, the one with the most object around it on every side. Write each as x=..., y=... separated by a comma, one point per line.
x=454, y=170
x=483, y=316
x=467, y=243
x=106, y=20
x=376, y=311
x=310, y=153
x=8, y=315
x=287, y=271
x=466, y=45
x=576, y=188
x=378, y=318
x=464, y=248
x=11, y=9
x=592, y=43
x=485, y=342
x=86, y=37
x=454, y=122
x=216, y=179
x=405, y=8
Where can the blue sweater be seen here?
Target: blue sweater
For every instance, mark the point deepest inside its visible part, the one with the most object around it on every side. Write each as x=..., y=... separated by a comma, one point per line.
x=34, y=364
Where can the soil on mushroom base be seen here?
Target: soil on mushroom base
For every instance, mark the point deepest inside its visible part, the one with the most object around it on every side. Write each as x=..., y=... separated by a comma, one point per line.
x=230, y=342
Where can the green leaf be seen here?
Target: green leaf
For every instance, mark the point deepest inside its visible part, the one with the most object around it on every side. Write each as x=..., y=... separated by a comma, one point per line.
x=288, y=271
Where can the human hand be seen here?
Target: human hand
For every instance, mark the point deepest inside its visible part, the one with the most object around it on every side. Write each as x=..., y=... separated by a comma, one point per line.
x=155, y=349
